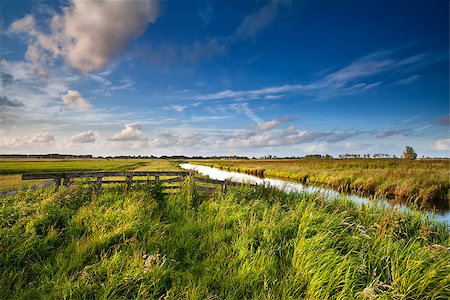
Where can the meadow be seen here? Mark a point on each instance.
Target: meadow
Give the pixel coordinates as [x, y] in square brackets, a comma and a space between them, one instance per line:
[11, 169]
[118, 243]
[420, 183]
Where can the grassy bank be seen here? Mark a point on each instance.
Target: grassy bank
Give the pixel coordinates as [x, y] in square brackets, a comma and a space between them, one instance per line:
[11, 170]
[248, 244]
[424, 183]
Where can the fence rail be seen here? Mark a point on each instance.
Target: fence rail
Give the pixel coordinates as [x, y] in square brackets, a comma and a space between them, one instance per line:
[67, 178]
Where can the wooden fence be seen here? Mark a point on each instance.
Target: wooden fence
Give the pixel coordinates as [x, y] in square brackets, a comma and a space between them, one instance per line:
[98, 179]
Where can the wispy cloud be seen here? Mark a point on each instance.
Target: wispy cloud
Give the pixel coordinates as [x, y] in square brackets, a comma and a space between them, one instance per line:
[392, 132]
[176, 107]
[123, 85]
[11, 102]
[207, 48]
[205, 12]
[350, 80]
[407, 80]
[443, 121]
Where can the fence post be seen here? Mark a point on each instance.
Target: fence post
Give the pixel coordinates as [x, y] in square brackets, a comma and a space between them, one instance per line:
[66, 181]
[57, 181]
[129, 178]
[99, 182]
[156, 178]
[224, 187]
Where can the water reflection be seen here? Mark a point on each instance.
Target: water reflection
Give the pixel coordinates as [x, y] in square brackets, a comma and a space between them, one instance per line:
[218, 174]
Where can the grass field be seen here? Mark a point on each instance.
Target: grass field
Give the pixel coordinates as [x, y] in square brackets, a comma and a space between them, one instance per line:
[248, 244]
[424, 183]
[11, 169]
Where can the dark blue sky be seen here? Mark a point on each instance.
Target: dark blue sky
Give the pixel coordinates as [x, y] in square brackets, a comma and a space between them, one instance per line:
[204, 77]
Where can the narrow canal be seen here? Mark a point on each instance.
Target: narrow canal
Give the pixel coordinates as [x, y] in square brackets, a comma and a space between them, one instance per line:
[218, 174]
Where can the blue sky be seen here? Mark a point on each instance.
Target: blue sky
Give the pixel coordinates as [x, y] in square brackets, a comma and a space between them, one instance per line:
[279, 77]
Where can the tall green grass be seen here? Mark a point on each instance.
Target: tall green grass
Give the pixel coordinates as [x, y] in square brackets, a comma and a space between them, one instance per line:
[262, 243]
[420, 183]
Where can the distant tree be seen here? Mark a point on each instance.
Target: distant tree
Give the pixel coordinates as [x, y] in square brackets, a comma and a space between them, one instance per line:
[409, 153]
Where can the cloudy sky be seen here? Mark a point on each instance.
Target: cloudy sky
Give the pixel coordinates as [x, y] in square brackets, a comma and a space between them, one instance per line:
[203, 77]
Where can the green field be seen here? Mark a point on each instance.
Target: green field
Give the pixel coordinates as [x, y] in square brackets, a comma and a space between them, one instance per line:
[422, 183]
[11, 169]
[79, 243]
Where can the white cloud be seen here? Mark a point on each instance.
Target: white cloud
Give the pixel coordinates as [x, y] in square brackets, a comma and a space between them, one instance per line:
[73, 99]
[255, 22]
[443, 145]
[169, 140]
[88, 33]
[349, 80]
[268, 125]
[39, 139]
[244, 108]
[176, 107]
[408, 80]
[42, 138]
[130, 132]
[25, 25]
[83, 137]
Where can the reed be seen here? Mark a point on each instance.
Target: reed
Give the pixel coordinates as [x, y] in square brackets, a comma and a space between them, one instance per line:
[249, 243]
[420, 183]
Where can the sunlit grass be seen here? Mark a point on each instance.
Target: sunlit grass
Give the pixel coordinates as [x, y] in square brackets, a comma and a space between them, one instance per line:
[250, 243]
[423, 183]
[11, 169]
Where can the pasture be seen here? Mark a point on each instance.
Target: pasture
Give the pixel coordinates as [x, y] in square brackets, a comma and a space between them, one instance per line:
[11, 169]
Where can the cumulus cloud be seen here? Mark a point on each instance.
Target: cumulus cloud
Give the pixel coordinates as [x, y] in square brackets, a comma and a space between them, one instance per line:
[83, 137]
[168, 140]
[89, 33]
[42, 138]
[73, 100]
[442, 145]
[130, 132]
[11, 102]
[25, 25]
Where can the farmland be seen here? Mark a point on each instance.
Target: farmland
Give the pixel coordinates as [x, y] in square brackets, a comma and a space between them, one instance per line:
[421, 183]
[250, 243]
[11, 169]
[118, 242]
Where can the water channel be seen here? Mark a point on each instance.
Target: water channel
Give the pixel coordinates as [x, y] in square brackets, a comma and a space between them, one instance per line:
[218, 174]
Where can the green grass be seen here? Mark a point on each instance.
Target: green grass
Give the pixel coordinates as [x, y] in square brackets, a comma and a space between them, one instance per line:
[248, 244]
[421, 183]
[19, 166]
[11, 169]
